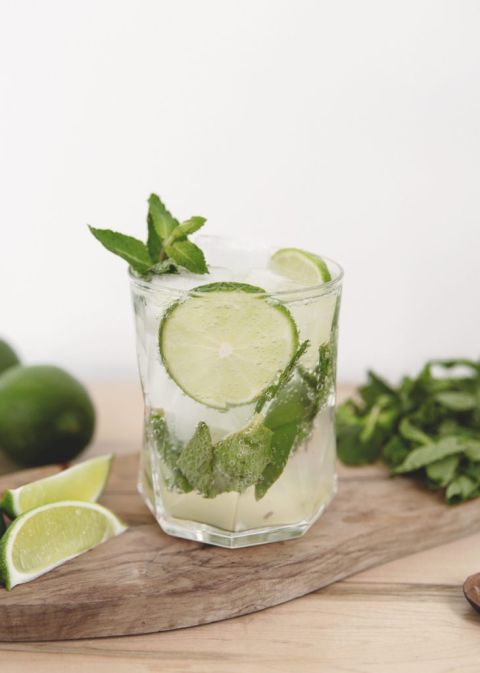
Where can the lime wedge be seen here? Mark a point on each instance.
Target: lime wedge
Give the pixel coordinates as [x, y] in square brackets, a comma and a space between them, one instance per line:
[85, 481]
[47, 536]
[299, 265]
[226, 342]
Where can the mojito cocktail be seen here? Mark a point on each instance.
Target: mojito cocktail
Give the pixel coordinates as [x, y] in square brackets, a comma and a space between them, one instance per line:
[238, 373]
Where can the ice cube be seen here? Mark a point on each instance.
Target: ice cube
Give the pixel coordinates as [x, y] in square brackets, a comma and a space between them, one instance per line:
[185, 280]
[238, 257]
[183, 414]
[218, 274]
[178, 282]
[270, 281]
[314, 319]
[313, 314]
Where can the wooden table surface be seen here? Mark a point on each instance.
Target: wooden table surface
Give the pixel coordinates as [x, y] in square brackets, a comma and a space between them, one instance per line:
[408, 616]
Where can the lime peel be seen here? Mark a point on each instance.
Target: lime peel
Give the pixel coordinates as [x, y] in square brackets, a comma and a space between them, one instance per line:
[300, 266]
[224, 344]
[47, 536]
[84, 482]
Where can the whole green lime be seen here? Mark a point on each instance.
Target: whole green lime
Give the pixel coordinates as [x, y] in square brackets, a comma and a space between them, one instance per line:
[46, 416]
[8, 357]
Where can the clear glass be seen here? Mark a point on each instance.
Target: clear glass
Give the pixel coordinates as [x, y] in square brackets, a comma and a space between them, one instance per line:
[307, 482]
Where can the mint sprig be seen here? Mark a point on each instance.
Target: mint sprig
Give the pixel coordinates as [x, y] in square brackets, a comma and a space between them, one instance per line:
[167, 243]
[427, 427]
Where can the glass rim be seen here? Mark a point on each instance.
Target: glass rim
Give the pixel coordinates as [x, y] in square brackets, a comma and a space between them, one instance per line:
[317, 290]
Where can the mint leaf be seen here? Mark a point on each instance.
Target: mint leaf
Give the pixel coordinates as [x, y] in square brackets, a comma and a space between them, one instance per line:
[130, 249]
[294, 402]
[375, 387]
[472, 470]
[188, 227]
[283, 439]
[187, 254]
[196, 459]
[430, 453]
[460, 489]
[395, 451]
[286, 374]
[161, 218]
[472, 449]
[158, 434]
[154, 242]
[372, 420]
[457, 400]
[443, 471]
[161, 438]
[353, 446]
[412, 433]
[240, 458]
[287, 418]
[233, 464]
[454, 364]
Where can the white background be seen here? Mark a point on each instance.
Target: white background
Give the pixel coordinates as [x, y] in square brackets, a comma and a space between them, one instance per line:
[348, 128]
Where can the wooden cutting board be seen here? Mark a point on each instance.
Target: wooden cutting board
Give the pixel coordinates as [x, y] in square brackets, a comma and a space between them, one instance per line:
[146, 581]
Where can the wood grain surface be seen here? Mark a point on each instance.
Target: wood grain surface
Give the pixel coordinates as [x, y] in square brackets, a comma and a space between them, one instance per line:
[145, 581]
[408, 616]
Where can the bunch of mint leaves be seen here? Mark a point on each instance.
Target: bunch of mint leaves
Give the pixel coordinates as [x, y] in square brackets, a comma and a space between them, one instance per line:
[167, 245]
[427, 427]
[257, 454]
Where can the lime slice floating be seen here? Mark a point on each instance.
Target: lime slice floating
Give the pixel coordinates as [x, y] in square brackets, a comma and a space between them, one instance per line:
[47, 536]
[301, 266]
[226, 342]
[85, 481]
[313, 316]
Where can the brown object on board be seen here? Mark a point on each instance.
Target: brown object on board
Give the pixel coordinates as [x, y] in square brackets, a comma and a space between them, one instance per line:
[471, 589]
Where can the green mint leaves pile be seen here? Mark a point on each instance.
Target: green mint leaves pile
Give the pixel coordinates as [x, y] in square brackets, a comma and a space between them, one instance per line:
[428, 426]
[167, 244]
[257, 454]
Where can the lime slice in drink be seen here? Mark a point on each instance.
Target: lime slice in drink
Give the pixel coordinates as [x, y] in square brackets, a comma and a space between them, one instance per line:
[226, 342]
[85, 481]
[299, 265]
[314, 314]
[47, 536]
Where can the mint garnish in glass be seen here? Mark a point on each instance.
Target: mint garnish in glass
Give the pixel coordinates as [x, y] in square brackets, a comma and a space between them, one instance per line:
[167, 246]
[238, 374]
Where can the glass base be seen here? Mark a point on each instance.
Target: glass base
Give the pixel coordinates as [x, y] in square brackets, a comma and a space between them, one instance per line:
[191, 530]
[200, 532]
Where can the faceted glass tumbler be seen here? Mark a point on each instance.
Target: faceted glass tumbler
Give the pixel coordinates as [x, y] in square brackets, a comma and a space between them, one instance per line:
[304, 473]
